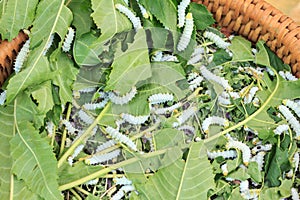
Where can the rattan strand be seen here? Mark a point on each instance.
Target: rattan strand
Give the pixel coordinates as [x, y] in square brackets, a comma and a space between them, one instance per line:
[257, 19]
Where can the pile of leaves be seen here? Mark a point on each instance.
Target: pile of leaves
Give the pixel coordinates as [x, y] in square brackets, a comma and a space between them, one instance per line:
[125, 114]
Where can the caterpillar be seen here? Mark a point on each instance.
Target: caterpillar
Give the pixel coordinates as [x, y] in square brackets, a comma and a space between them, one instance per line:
[70, 128]
[219, 42]
[195, 83]
[181, 12]
[227, 154]
[212, 77]
[48, 44]
[287, 76]
[157, 56]
[136, 22]
[123, 99]
[248, 98]
[160, 98]
[123, 190]
[68, 40]
[281, 128]
[122, 181]
[96, 159]
[169, 58]
[185, 38]
[2, 97]
[21, 57]
[259, 148]
[105, 145]
[50, 128]
[8, 54]
[84, 117]
[292, 105]
[87, 90]
[75, 154]
[186, 114]
[246, 152]
[162, 111]
[259, 159]
[187, 128]
[295, 194]
[196, 56]
[143, 10]
[94, 106]
[116, 135]
[246, 193]
[136, 120]
[224, 169]
[214, 120]
[296, 160]
[291, 120]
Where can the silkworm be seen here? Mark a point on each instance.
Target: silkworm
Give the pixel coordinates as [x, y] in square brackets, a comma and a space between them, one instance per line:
[187, 33]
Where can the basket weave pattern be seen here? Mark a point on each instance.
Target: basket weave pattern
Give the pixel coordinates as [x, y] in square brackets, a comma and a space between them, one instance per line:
[258, 20]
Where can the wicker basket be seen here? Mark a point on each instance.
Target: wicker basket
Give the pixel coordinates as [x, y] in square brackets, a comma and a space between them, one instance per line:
[258, 20]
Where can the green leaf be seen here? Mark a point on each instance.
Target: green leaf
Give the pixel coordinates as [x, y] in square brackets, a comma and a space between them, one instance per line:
[168, 137]
[82, 16]
[6, 133]
[85, 50]
[165, 11]
[43, 96]
[65, 76]
[34, 162]
[131, 66]
[202, 17]
[88, 77]
[241, 49]
[18, 15]
[182, 180]
[21, 191]
[108, 19]
[52, 16]
[262, 57]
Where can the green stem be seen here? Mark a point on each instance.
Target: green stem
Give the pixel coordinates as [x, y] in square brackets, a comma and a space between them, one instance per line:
[104, 171]
[64, 136]
[83, 137]
[77, 196]
[248, 118]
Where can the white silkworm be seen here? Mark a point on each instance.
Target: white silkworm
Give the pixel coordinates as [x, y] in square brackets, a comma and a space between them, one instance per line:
[246, 152]
[212, 77]
[224, 169]
[116, 135]
[68, 40]
[96, 159]
[123, 190]
[70, 128]
[295, 194]
[216, 39]
[290, 77]
[48, 44]
[187, 33]
[160, 98]
[122, 181]
[162, 111]
[281, 128]
[292, 105]
[2, 97]
[186, 114]
[246, 193]
[291, 120]
[214, 120]
[259, 159]
[94, 106]
[259, 148]
[296, 161]
[87, 90]
[169, 58]
[227, 154]
[123, 99]
[196, 56]
[136, 22]
[157, 56]
[248, 98]
[50, 128]
[143, 10]
[75, 154]
[181, 12]
[195, 83]
[84, 117]
[21, 57]
[136, 120]
[105, 145]
[187, 128]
